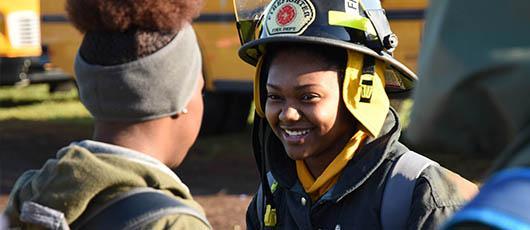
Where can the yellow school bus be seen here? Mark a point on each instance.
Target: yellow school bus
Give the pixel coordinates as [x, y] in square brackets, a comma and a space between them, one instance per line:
[19, 28]
[231, 80]
[406, 21]
[19, 38]
[23, 58]
[228, 79]
[218, 36]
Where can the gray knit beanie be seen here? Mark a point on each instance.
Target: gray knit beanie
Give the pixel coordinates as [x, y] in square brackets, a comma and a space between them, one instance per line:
[139, 59]
[153, 86]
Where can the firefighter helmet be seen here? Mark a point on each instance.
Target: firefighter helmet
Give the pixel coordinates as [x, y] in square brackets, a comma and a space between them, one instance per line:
[358, 25]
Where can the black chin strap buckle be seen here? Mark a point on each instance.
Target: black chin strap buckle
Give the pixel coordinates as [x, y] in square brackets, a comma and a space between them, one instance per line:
[367, 79]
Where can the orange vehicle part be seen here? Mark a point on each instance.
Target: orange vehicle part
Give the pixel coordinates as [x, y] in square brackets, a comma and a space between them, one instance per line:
[19, 28]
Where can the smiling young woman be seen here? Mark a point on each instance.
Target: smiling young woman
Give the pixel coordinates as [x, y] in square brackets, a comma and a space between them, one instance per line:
[322, 151]
[325, 137]
[303, 94]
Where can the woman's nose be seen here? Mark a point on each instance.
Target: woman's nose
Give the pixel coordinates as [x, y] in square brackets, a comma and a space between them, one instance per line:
[289, 114]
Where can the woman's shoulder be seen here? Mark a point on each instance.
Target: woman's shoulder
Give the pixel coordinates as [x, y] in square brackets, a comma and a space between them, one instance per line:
[444, 187]
[438, 193]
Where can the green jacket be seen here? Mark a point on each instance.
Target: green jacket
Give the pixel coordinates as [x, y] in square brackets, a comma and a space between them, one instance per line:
[88, 174]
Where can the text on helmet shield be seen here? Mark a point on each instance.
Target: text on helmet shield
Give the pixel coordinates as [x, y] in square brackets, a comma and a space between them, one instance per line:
[289, 17]
[351, 6]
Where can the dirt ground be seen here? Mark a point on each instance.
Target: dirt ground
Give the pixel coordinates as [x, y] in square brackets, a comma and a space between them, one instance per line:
[219, 170]
[223, 183]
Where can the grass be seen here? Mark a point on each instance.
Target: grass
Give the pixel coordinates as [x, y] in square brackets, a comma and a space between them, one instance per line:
[36, 103]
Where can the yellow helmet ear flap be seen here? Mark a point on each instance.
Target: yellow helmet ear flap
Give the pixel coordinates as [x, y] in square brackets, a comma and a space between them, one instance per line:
[364, 93]
[257, 87]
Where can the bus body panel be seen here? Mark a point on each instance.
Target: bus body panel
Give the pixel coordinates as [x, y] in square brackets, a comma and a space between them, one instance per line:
[19, 28]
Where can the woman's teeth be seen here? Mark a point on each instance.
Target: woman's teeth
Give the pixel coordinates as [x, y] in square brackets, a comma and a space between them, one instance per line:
[296, 132]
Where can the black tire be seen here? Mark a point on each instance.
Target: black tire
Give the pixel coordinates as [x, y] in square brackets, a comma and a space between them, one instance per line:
[62, 86]
[225, 112]
[13, 70]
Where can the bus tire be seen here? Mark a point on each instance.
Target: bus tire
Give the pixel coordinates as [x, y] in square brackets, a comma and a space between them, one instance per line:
[62, 86]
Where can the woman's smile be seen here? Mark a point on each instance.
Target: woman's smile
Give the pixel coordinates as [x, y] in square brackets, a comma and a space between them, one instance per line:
[295, 135]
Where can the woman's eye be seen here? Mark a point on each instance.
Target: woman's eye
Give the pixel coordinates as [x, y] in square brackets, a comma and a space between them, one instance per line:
[309, 97]
[273, 97]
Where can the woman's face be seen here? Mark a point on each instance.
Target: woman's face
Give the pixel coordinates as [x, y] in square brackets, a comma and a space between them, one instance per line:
[304, 106]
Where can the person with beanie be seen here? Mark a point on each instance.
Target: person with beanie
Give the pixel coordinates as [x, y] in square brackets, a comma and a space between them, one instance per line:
[139, 75]
[325, 137]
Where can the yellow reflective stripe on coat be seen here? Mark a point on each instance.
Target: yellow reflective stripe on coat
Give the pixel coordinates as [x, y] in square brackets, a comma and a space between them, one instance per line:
[328, 178]
[270, 216]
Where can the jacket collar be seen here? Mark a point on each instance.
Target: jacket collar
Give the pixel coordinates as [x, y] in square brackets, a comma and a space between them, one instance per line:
[100, 148]
[358, 170]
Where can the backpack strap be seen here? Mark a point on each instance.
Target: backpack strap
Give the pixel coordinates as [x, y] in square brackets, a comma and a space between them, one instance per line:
[135, 209]
[400, 183]
[261, 199]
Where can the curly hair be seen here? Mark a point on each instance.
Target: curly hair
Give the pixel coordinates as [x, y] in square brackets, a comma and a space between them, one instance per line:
[122, 15]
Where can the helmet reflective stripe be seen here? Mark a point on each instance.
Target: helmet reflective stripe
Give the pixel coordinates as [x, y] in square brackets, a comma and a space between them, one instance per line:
[338, 18]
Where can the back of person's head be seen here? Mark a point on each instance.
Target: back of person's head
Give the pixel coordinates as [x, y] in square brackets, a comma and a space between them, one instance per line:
[139, 72]
[472, 96]
[139, 60]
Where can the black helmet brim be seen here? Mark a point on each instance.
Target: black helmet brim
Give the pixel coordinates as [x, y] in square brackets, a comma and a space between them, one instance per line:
[251, 52]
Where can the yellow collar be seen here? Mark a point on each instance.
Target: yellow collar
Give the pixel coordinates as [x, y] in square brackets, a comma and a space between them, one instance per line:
[316, 188]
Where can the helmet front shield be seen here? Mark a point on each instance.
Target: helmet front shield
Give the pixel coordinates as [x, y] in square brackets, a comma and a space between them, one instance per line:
[248, 16]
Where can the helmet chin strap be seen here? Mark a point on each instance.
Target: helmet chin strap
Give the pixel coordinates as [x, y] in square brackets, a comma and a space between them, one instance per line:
[257, 88]
[260, 134]
[364, 93]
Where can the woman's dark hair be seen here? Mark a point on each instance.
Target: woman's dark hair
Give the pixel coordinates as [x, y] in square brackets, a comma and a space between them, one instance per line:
[335, 59]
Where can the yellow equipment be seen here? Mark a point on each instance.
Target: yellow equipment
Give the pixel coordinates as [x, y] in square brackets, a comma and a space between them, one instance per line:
[19, 38]
[19, 28]
[406, 21]
[24, 57]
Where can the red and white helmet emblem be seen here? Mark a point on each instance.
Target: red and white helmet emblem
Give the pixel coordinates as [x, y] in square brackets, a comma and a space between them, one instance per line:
[289, 17]
[286, 15]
